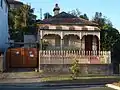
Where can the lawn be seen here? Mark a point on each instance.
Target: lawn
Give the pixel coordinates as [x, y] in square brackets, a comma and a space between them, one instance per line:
[86, 78]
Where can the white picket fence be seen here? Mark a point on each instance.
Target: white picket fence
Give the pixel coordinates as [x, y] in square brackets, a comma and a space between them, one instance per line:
[68, 57]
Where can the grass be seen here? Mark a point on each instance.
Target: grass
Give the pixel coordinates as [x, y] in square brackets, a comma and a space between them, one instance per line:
[82, 78]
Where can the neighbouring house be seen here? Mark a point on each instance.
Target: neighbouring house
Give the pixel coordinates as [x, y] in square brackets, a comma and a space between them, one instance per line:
[68, 38]
[4, 34]
[14, 4]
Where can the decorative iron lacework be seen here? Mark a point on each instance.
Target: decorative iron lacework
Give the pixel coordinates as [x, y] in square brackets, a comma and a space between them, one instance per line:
[63, 27]
[44, 27]
[96, 28]
[59, 27]
[84, 28]
[71, 28]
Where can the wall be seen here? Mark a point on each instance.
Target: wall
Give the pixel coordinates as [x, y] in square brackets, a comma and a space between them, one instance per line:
[3, 26]
[29, 39]
[103, 69]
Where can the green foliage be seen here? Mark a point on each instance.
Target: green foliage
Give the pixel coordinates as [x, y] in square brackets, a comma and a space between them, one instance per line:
[84, 16]
[75, 12]
[21, 21]
[75, 69]
[99, 19]
[109, 35]
[44, 44]
[116, 52]
[47, 15]
[16, 35]
[108, 38]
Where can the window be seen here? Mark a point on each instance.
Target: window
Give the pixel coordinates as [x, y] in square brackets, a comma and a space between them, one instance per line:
[6, 8]
[1, 3]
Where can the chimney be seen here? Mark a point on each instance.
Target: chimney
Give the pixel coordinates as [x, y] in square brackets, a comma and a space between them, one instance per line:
[56, 9]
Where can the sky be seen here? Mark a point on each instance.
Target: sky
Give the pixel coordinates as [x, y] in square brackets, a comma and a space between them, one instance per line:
[109, 8]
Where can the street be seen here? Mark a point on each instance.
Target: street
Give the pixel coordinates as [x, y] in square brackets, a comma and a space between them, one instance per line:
[38, 87]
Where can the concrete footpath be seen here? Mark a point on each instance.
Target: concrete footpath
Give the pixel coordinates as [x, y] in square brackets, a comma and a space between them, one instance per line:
[34, 78]
[19, 77]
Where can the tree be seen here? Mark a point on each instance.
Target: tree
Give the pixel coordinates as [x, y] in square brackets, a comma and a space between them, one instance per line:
[21, 21]
[28, 17]
[11, 16]
[99, 19]
[116, 52]
[47, 15]
[75, 12]
[109, 36]
[84, 16]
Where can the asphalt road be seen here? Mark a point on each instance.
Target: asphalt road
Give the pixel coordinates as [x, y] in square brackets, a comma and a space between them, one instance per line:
[34, 87]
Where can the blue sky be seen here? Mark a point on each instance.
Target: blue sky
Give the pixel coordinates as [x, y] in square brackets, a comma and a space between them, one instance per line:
[109, 8]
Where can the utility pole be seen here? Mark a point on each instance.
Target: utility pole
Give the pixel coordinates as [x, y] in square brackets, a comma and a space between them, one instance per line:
[41, 13]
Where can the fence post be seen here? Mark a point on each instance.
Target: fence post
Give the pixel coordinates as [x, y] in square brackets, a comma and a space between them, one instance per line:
[39, 59]
[1, 62]
[49, 56]
[109, 57]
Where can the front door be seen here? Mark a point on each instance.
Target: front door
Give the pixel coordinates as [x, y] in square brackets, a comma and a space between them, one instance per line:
[88, 42]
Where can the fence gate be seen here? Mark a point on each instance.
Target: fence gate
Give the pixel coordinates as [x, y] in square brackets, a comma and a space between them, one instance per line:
[26, 57]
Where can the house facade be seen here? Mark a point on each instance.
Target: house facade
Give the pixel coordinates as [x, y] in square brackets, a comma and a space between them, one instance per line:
[65, 31]
[4, 34]
[65, 38]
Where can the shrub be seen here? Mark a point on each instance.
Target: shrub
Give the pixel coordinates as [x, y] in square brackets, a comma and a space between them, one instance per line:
[75, 69]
